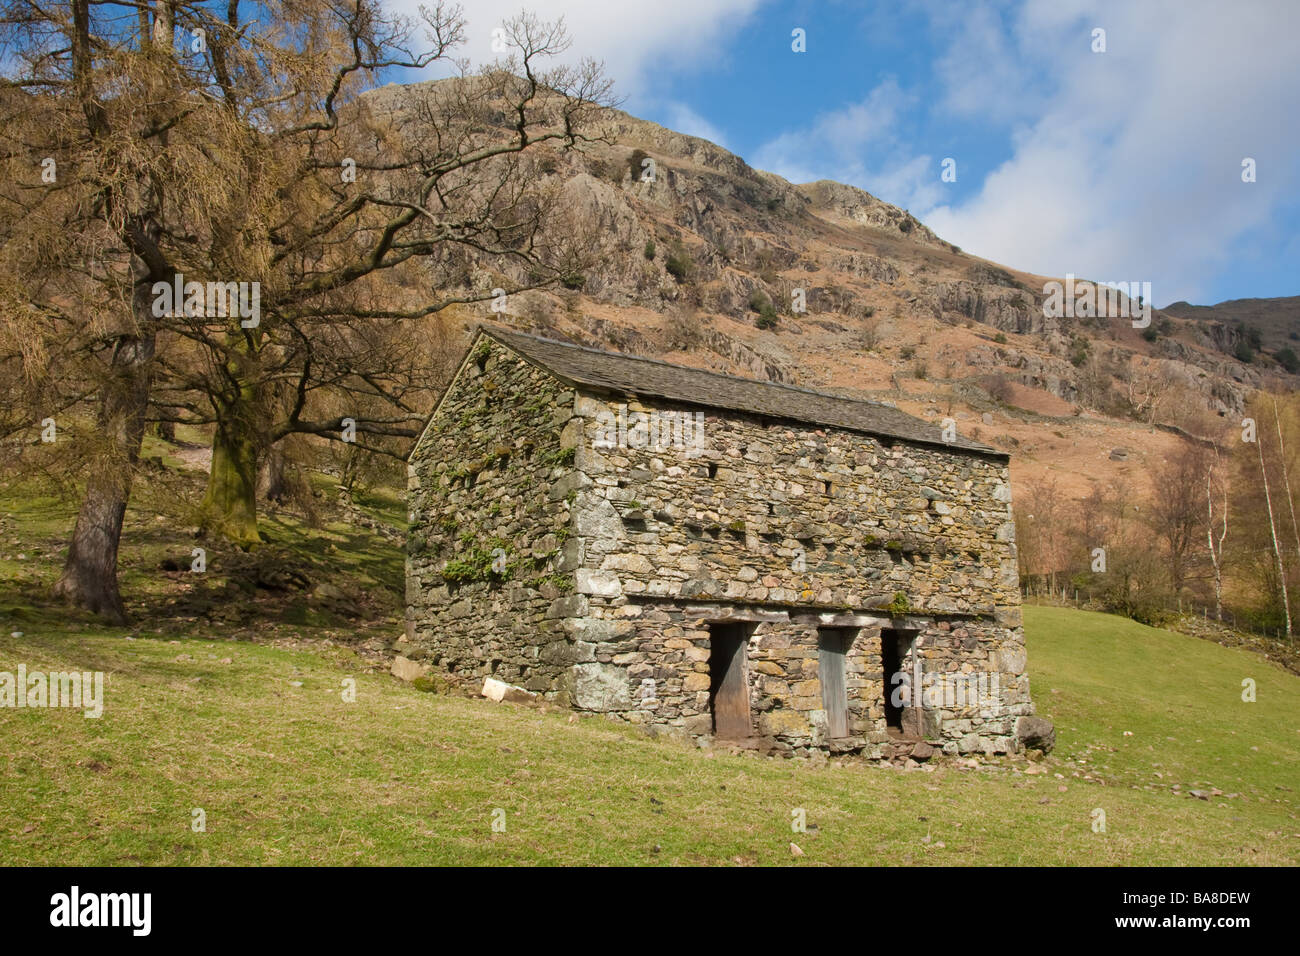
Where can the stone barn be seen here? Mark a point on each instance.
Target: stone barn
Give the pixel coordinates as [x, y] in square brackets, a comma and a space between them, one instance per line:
[715, 557]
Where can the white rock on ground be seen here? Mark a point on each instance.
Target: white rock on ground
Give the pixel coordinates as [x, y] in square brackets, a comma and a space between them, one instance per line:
[497, 690]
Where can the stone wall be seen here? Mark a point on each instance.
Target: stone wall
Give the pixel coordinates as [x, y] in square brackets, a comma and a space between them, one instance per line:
[663, 648]
[487, 484]
[791, 528]
[620, 549]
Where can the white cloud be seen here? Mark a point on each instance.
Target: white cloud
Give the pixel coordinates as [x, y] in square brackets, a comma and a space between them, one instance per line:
[836, 144]
[683, 119]
[988, 71]
[1125, 165]
[1131, 170]
[634, 41]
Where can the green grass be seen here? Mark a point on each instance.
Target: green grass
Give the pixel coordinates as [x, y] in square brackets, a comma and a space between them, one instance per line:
[347, 575]
[295, 775]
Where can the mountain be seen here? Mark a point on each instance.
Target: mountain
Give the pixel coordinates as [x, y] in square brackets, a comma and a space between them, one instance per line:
[1276, 320]
[705, 261]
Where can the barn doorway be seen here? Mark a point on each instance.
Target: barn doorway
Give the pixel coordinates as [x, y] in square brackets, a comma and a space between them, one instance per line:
[894, 648]
[728, 681]
[833, 645]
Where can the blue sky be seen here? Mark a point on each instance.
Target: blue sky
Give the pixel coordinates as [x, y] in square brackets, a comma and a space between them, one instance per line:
[1115, 165]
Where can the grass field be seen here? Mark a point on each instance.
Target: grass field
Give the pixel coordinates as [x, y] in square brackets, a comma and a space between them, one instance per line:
[285, 771]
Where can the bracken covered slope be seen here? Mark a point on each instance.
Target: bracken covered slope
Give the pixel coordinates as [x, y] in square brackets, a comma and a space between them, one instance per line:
[706, 263]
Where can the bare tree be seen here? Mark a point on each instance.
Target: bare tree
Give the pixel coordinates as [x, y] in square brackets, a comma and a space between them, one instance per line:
[453, 165]
[1216, 487]
[1042, 533]
[247, 153]
[1146, 389]
[1174, 512]
[1286, 478]
[1272, 529]
[93, 102]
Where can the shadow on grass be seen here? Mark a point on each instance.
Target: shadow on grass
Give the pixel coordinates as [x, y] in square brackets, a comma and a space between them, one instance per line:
[331, 576]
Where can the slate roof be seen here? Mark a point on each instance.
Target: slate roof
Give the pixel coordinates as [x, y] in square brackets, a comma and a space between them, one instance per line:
[632, 374]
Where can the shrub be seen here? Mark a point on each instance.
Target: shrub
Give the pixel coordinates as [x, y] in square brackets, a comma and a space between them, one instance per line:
[608, 170]
[760, 303]
[682, 326]
[431, 684]
[1000, 339]
[870, 336]
[678, 263]
[1152, 615]
[998, 387]
[1079, 347]
[634, 167]
[649, 249]
[899, 605]
[475, 566]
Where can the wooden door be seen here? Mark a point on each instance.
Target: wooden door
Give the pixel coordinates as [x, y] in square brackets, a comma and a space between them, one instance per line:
[729, 693]
[832, 647]
[893, 649]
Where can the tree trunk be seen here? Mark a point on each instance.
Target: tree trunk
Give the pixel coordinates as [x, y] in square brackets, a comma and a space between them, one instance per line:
[89, 576]
[1272, 528]
[229, 507]
[1216, 553]
[1286, 478]
[273, 484]
[164, 33]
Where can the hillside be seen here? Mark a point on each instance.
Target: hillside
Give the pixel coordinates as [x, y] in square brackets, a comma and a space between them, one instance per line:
[229, 700]
[894, 313]
[259, 739]
[1278, 320]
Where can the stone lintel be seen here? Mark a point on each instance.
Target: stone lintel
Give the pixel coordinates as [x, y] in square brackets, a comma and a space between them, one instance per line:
[732, 612]
[842, 619]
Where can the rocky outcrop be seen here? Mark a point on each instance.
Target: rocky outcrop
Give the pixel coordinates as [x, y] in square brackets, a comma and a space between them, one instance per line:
[1010, 310]
[857, 205]
[708, 231]
[864, 266]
